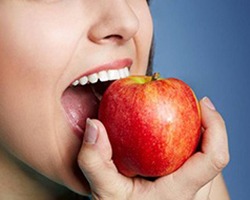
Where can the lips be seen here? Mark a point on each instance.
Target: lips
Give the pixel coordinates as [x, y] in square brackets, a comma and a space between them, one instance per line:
[81, 98]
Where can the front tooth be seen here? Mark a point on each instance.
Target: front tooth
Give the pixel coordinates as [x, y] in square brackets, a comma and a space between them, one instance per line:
[113, 74]
[84, 80]
[103, 76]
[93, 78]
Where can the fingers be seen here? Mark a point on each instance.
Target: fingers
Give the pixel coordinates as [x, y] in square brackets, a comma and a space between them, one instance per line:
[92, 154]
[214, 156]
[106, 183]
[215, 141]
[95, 160]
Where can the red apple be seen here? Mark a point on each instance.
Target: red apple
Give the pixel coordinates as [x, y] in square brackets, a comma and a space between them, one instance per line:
[153, 124]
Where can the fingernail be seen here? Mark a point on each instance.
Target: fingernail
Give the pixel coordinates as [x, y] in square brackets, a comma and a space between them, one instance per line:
[208, 103]
[90, 135]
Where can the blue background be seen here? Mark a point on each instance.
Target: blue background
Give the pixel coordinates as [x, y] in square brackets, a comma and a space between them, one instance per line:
[206, 43]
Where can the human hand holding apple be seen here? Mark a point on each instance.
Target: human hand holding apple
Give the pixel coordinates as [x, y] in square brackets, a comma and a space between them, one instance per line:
[188, 182]
[153, 124]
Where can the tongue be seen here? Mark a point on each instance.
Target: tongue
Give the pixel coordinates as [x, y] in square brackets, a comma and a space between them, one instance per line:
[79, 104]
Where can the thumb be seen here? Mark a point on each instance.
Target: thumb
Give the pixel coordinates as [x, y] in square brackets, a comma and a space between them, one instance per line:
[95, 160]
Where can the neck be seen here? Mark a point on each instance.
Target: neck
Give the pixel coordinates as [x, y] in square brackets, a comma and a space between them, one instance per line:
[19, 182]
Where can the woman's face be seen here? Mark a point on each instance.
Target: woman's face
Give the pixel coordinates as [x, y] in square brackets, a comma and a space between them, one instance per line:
[45, 45]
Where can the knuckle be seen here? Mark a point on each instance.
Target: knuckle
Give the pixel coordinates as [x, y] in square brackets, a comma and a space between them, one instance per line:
[89, 168]
[220, 161]
[81, 161]
[86, 160]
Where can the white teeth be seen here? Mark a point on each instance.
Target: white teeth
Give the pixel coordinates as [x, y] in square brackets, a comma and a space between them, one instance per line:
[109, 75]
[113, 74]
[103, 76]
[126, 72]
[93, 78]
[122, 73]
[75, 83]
[84, 80]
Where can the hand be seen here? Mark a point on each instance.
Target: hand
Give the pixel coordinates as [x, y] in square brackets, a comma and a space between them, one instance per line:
[95, 161]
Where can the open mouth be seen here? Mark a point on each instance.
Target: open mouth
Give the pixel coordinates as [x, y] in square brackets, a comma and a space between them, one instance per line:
[81, 99]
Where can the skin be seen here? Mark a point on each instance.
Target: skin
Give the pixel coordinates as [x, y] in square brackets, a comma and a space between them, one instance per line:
[43, 45]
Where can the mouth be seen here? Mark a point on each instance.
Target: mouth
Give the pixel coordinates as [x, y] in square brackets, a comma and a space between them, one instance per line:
[81, 98]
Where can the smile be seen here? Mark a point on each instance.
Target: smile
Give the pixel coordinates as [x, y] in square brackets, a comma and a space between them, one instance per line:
[103, 76]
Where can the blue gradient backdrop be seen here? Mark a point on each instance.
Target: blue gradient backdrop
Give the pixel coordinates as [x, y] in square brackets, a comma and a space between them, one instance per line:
[207, 44]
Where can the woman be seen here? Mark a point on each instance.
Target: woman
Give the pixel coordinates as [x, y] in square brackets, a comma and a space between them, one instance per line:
[49, 50]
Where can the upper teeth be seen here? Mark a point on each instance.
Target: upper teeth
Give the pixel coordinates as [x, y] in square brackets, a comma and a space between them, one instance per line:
[105, 75]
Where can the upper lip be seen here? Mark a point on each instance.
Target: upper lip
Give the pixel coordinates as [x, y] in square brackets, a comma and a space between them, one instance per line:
[117, 64]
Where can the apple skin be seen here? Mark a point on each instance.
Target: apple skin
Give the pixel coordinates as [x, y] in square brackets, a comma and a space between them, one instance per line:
[153, 124]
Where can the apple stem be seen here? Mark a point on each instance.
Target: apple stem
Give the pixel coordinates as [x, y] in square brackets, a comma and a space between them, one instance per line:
[155, 76]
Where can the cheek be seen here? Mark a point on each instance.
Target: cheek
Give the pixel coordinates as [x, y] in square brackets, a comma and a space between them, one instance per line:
[35, 48]
[34, 52]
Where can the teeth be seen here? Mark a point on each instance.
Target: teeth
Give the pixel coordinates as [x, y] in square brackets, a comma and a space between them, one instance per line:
[103, 76]
[122, 73]
[113, 75]
[93, 78]
[126, 72]
[109, 75]
[75, 83]
[84, 80]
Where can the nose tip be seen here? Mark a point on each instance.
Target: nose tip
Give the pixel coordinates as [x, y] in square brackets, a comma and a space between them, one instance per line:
[117, 23]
